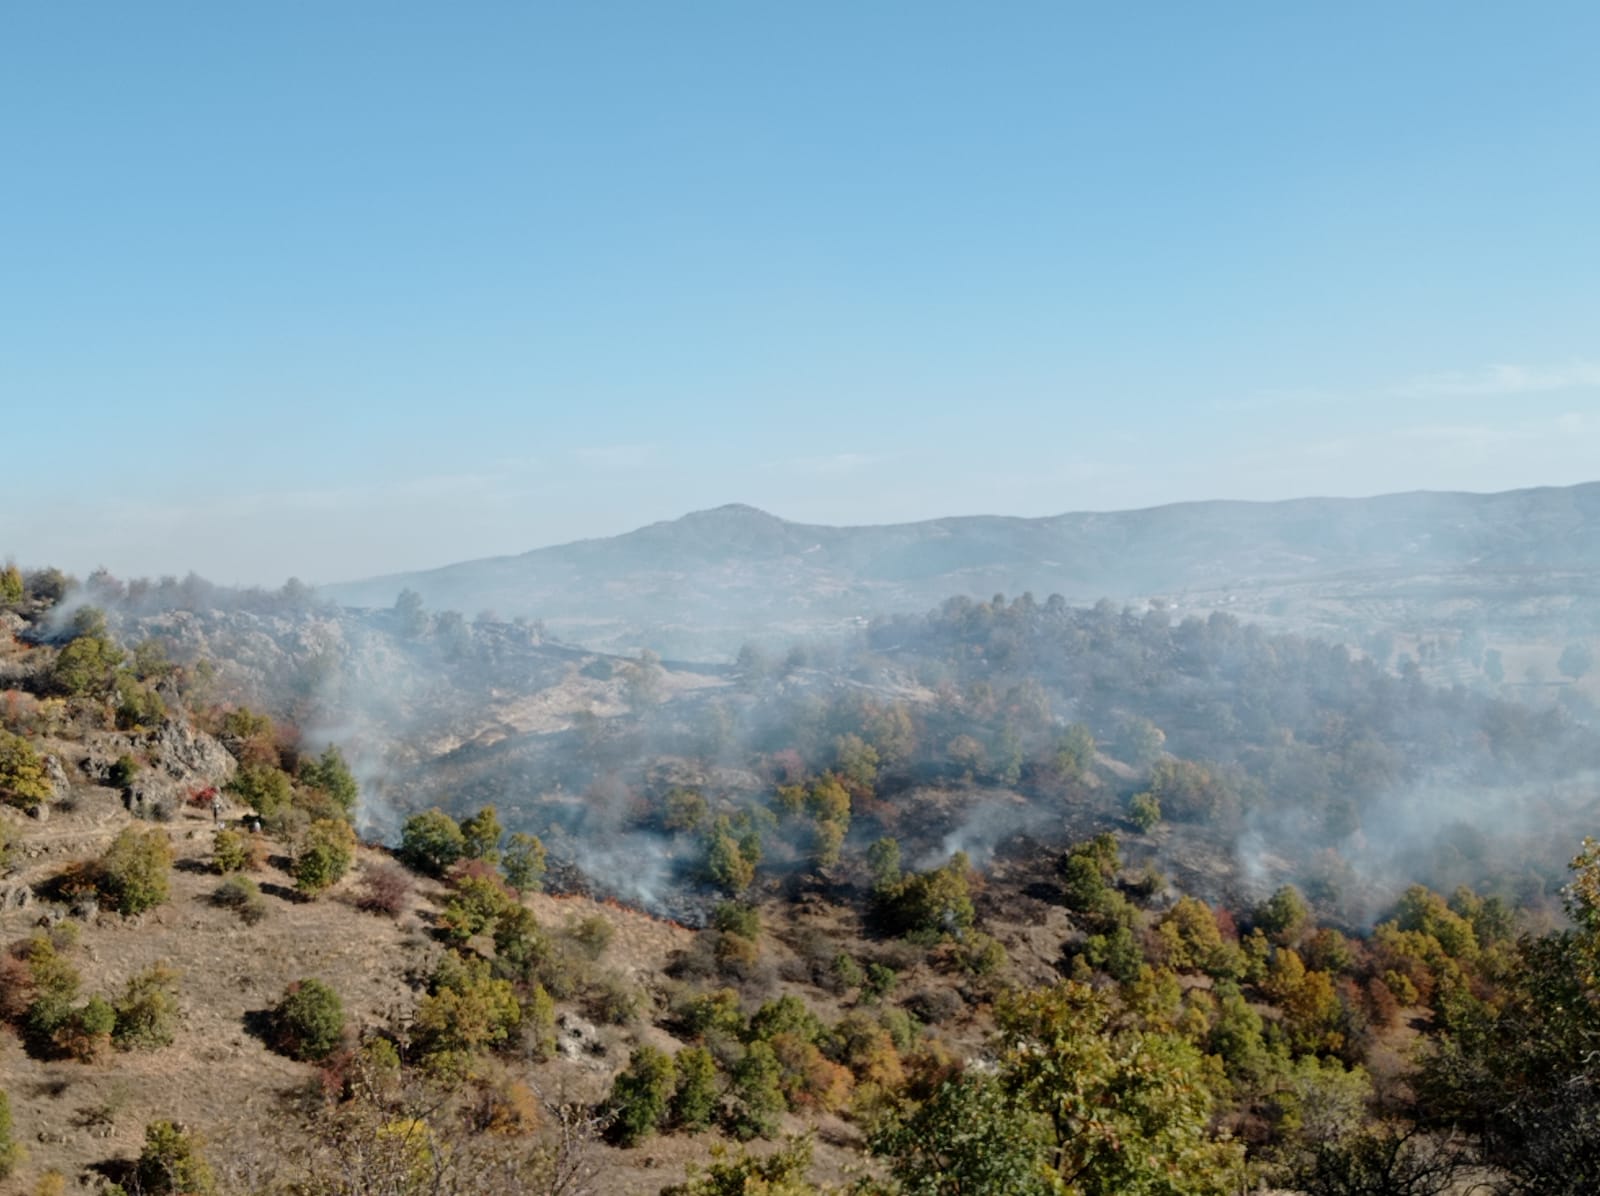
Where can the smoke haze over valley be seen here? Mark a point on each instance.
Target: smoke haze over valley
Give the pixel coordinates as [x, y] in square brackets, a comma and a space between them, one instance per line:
[903, 599]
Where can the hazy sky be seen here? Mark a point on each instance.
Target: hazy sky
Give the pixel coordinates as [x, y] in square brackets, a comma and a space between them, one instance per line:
[328, 289]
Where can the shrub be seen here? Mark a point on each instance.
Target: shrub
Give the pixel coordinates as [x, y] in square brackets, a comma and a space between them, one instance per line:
[1144, 810]
[23, 782]
[523, 862]
[385, 889]
[11, 1153]
[308, 1023]
[430, 842]
[122, 772]
[139, 705]
[481, 834]
[479, 902]
[641, 1096]
[468, 1009]
[324, 856]
[934, 903]
[695, 1101]
[613, 1000]
[87, 1031]
[593, 934]
[757, 1093]
[265, 788]
[147, 1014]
[243, 896]
[331, 776]
[131, 876]
[85, 666]
[733, 917]
[172, 1162]
[229, 852]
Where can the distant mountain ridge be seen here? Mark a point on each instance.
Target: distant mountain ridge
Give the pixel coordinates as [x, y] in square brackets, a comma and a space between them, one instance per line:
[737, 571]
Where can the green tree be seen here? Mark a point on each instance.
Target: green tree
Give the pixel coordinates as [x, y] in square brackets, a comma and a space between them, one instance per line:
[934, 903]
[431, 841]
[968, 1136]
[324, 857]
[468, 1010]
[139, 707]
[757, 1093]
[1144, 810]
[524, 862]
[694, 1103]
[23, 780]
[11, 589]
[883, 859]
[641, 1096]
[330, 774]
[265, 788]
[173, 1163]
[481, 834]
[308, 1022]
[132, 875]
[86, 666]
[856, 761]
[1075, 753]
[1284, 916]
[727, 863]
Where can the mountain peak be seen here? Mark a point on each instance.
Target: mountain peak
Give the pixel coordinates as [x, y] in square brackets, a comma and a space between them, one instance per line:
[733, 512]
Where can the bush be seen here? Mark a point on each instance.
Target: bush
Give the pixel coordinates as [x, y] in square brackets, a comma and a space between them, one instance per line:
[229, 852]
[308, 1023]
[733, 917]
[430, 842]
[87, 1031]
[172, 1162]
[121, 773]
[147, 1014]
[131, 876]
[593, 934]
[265, 788]
[139, 706]
[11, 1153]
[243, 896]
[695, 1100]
[481, 835]
[385, 889]
[1144, 810]
[613, 1001]
[523, 863]
[757, 1093]
[23, 782]
[641, 1096]
[329, 775]
[324, 856]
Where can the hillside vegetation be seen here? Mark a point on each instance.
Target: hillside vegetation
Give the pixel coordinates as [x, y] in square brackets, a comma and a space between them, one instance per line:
[1008, 897]
[1518, 563]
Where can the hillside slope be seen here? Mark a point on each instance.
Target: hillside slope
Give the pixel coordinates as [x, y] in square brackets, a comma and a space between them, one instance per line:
[700, 584]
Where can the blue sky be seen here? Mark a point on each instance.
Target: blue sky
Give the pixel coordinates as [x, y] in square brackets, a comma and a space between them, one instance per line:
[334, 289]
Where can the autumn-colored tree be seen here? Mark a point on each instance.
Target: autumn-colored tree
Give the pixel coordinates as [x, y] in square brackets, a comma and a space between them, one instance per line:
[1128, 1111]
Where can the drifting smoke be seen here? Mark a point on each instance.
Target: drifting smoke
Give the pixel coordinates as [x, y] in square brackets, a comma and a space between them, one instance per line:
[581, 748]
